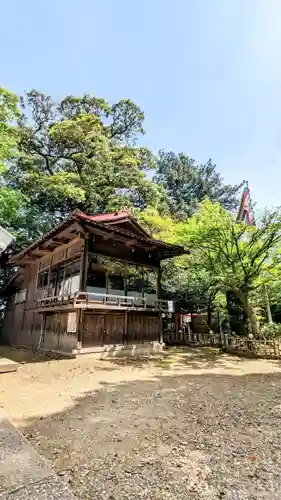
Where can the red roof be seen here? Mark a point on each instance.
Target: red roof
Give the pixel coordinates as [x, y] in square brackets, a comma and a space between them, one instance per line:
[114, 219]
[105, 217]
[99, 221]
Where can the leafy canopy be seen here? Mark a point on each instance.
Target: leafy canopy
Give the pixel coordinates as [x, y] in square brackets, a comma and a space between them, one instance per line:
[10, 199]
[8, 133]
[81, 153]
[240, 257]
[187, 183]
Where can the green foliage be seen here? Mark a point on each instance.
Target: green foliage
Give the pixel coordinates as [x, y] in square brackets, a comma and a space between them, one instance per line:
[239, 256]
[270, 330]
[10, 199]
[10, 206]
[81, 153]
[187, 183]
[183, 277]
[8, 133]
[240, 259]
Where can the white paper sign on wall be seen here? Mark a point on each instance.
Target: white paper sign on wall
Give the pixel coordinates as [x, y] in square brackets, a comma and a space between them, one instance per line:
[71, 322]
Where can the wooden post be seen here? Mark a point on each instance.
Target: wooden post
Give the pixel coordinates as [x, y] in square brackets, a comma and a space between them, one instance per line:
[158, 284]
[159, 294]
[80, 326]
[82, 287]
[32, 327]
[42, 331]
[125, 327]
[84, 265]
[59, 328]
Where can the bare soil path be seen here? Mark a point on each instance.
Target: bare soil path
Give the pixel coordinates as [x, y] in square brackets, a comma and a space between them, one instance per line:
[194, 424]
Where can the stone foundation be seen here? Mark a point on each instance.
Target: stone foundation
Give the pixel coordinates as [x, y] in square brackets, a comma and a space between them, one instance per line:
[123, 350]
[106, 351]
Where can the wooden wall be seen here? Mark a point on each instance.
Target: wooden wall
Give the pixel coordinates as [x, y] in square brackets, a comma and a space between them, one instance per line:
[7, 332]
[56, 336]
[142, 327]
[102, 328]
[22, 323]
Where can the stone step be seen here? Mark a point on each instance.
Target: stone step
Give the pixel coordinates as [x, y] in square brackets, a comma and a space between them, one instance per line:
[7, 365]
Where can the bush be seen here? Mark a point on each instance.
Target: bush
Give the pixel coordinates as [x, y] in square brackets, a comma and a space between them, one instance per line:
[271, 330]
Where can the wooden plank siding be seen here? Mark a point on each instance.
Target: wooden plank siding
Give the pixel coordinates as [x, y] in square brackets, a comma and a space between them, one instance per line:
[103, 328]
[142, 327]
[55, 335]
[23, 324]
[100, 328]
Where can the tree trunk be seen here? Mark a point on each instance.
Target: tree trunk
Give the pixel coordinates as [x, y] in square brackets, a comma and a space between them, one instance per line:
[268, 308]
[210, 310]
[250, 313]
[209, 315]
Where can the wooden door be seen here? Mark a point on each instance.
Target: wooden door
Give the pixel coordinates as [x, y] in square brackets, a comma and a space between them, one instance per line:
[142, 327]
[93, 330]
[114, 328]
[103, 329]
[135, 328]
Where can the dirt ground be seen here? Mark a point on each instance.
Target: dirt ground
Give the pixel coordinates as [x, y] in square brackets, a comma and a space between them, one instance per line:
[194, 424]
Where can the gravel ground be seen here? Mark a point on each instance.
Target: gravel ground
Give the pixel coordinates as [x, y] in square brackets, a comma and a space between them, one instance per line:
[190, 426]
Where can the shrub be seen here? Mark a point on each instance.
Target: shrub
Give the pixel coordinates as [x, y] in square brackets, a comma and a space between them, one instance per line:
[270, 330]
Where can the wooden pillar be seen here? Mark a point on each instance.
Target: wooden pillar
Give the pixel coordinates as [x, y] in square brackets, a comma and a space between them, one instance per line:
[84, 265]
[159, 296]
[125, 327]
[80, 326]
[42, 330]
[58, 329]
[82, 288]
[158, 284]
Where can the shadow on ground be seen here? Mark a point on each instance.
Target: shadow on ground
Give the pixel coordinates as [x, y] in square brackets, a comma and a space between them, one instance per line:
[188, 436]
[173, 357]
[193, 357]
[25, 355]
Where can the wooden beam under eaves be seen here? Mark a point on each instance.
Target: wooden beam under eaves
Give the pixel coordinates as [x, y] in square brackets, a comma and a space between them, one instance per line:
[150, 249]
[42, 250]
[130, 243]
[28, 260]
[63, 240]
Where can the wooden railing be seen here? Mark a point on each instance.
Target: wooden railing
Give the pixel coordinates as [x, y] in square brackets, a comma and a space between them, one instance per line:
[87, 300]
[56, 301]
[259, 348]
[193, 339]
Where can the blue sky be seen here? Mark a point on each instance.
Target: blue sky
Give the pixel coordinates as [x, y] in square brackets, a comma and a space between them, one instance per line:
[207, 73]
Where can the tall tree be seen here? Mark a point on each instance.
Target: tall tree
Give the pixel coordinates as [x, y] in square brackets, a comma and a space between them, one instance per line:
[10, 199]
[81, 153]
[187, 183]
[8, 114]
[241, 259]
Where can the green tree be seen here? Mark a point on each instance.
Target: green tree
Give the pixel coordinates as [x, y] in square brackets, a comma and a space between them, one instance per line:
[187, 183]
[81, 153]
[10, 199]
[241, 259]
[8, 133]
